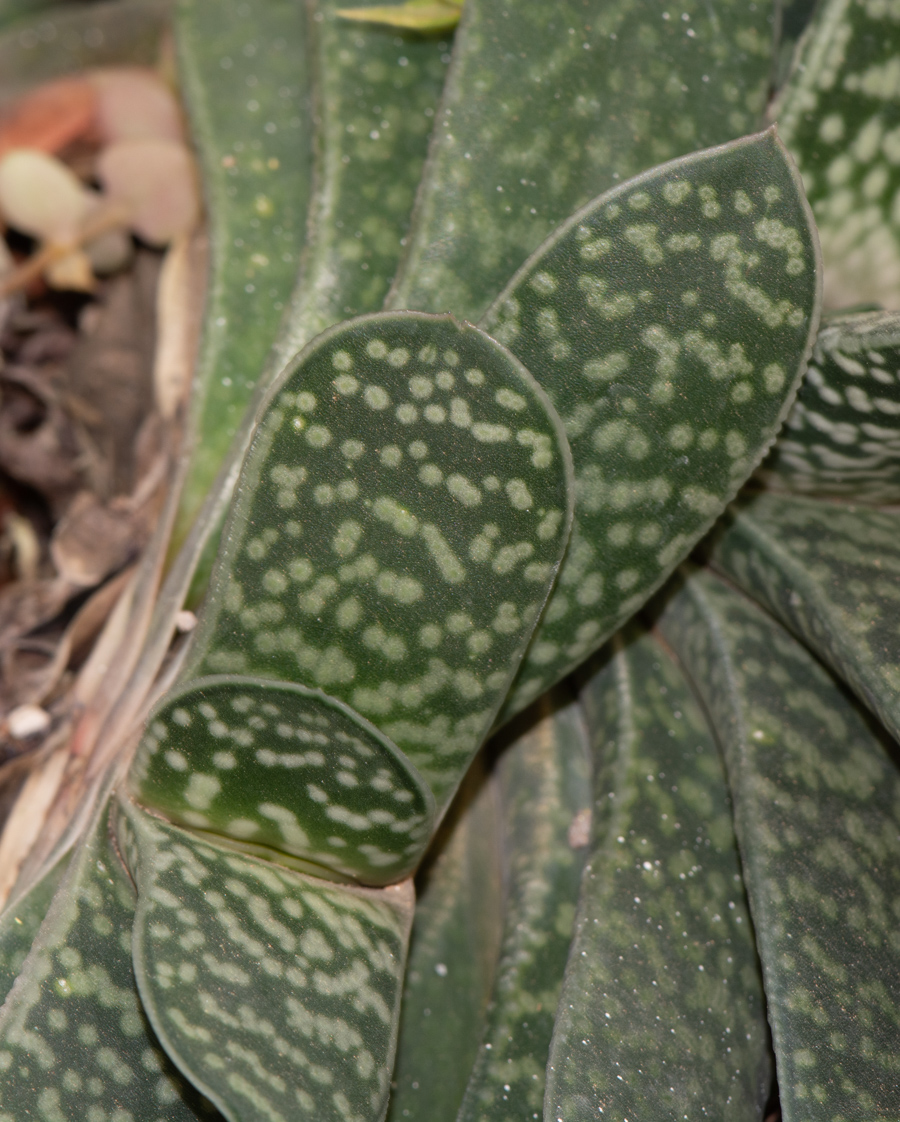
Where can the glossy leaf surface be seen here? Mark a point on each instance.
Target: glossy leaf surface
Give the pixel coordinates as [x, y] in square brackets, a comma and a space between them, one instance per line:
[453, 954]
[545, 790]
[817, 814]
[376, 95]
[274, 766]
[669, 322]
[842, 436]
[277, 994]
[74, 1040]
[400, 518]
[829, 572]
[245, 80]
[546, 107]
[662, 1013]
[840, 117]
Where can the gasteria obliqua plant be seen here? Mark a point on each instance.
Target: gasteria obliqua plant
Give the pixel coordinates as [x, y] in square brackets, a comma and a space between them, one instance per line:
[547, 295]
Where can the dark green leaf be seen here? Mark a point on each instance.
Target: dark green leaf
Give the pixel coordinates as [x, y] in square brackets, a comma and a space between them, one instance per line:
[829, 573]
[74, 1040]
[843, 434]
[817, 815]
[245, 79]
[399, 521]
[544, 782]
[275, 766]
[20, 920]
[452, 957]
[277, 994]
[840, 117]
[669, 322]
[547, 106]
[662, 1014]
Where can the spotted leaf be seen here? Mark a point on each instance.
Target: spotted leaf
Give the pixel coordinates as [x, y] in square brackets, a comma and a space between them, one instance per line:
[452, 956]
[277, 767]
[662, 1013]
[400, 518]
[829, 573]
[669, 322]
[544, 782]
[840, 117]
[246, 85]
[74, 1040]
[842, 436]
[277, 994]
[817, 816]
[547, 106]
[20, 921]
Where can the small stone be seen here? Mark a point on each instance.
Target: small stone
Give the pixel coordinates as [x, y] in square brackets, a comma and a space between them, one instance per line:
[27, 720]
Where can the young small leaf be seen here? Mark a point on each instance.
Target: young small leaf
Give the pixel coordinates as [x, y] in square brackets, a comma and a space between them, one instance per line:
[817, 815]
[839, 116]
[828, 572]
[669, 322]
[74, 1040]
[544, 782]
[399, 521]
[277, 994]
[662, 1013]
[273, 766]
[415, 15]
[842, 436]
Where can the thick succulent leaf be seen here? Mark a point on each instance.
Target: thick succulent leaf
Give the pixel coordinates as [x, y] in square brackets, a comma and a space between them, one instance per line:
[546, 107]
[793, 17]
[662, 1013]
[74, 1040]
[277, 994]
[817, 815]
[829, 573]
[20, 921]
[452, 956]
[66, 38]
[842, 436]
[399, 521]
[669, 322]
[245, 80]
[275, 766]
[840, 117]
[375, 101]
[545, 788]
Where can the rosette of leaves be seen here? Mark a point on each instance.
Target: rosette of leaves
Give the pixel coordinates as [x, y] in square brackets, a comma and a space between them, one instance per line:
[433, 523]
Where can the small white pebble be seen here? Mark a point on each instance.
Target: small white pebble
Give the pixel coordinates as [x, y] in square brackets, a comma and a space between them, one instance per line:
[185, 621]
[27, 720]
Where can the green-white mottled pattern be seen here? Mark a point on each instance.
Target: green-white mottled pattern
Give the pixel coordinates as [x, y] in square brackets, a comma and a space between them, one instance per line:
[662, 1014]
[830, 574]
[817, 815]
[245, 80]
[19, 923]
[545, 788]
[277, 994]
[546, 107]
[376, 94]
[275, 766]
[399, 521]
[840, 117]
[74, 1040]
[842, 436]
[452, 957]
[669, 323]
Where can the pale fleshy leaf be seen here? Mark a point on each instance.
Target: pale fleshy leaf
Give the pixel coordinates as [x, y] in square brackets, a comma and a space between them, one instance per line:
[399, 521]
[842, 436]
[669, 323]
[277, 994]
[817, 815]
[662, 1013]
[276, 767]
[415, 15]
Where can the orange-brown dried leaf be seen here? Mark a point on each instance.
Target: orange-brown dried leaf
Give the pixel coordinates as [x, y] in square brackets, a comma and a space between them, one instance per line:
[49, 117]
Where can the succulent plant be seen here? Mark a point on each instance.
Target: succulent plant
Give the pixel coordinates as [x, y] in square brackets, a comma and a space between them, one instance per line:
[463, 478]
